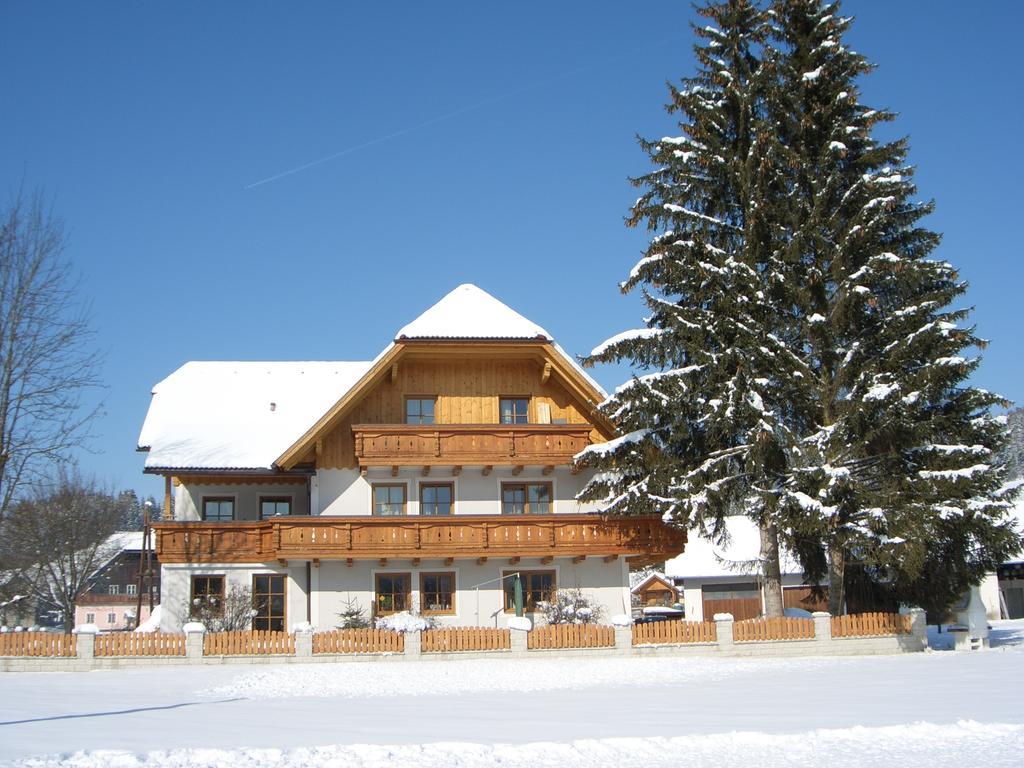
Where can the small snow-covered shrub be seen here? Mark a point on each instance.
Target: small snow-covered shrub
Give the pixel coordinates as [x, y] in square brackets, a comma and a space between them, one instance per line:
[233, 612]
[405, 622]
[570, 606]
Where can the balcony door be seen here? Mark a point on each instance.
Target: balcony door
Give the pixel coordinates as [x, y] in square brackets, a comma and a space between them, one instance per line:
[268, 600]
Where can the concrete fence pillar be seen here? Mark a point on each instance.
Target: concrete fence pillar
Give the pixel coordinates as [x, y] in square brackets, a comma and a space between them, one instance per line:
[303, 640]
[723, 630]
[623, 633]
[624, 639]
[413, 644]
[85, 646]
[519, 627]
[822, 626]
[194, 632]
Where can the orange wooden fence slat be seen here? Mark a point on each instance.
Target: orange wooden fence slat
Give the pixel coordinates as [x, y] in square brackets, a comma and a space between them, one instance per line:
[366, 640]
[776, 628]
[37, 644]
[666, 632]
[870, 624]
[571, 636]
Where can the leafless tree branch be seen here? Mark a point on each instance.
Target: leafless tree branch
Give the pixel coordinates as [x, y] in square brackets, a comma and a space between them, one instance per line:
[46, 361]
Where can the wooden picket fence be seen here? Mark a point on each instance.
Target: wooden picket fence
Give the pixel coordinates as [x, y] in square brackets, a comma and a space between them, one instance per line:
[867, 624]
[571, 636]
[781, 628]
[139, 644]
[359, 641]
[465, 639]
[666, 632]
[259, 642]
[38, 644]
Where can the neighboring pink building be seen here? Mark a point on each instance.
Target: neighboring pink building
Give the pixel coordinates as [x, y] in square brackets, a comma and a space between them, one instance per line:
[110, 612]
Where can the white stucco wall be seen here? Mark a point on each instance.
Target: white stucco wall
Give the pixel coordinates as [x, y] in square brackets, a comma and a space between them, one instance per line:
[334, 582]
[176, 585]
[188, 500]
[347, 492]
[989, 589]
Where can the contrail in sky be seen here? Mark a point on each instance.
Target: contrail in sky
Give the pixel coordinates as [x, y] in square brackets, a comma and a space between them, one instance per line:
[449, 115]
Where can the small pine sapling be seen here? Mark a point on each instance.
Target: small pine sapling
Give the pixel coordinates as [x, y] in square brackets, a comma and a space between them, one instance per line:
[352, 616]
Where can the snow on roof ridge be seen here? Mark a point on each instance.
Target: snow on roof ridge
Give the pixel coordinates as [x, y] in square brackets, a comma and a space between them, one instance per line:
[469, 312]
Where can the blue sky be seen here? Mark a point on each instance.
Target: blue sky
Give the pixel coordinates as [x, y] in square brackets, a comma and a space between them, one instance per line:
[475, 142]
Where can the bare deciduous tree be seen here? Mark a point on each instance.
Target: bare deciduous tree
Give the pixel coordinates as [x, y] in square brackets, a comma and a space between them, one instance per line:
[46, 364]
[58, 538]
[230, 613]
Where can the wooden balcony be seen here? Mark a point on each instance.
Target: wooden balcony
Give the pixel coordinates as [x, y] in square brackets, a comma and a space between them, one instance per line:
[414, 537]
[461, 444]
[118, 599]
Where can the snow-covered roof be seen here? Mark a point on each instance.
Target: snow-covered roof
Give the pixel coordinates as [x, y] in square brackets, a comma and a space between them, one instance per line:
[705, 559]
[1017, 515]
[245, 415]
[653, 576]
[235, 415]
[126, 541]
[122, 541]
[471, 313]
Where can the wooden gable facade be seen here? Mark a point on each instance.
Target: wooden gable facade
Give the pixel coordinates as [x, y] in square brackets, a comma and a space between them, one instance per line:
[467, 381]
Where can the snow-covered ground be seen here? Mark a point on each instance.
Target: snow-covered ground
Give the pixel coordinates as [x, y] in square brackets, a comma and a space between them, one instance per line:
[932, 709]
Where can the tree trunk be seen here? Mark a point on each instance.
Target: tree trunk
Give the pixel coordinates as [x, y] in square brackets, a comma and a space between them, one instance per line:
[771, 570]
[836, 580]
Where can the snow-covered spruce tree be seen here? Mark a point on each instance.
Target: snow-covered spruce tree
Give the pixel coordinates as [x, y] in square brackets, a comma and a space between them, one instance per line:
[1013, 453]
[705, 431]
[897, 470]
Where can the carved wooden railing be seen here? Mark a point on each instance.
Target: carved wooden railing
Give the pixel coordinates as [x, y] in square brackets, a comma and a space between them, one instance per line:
[411, 444]
[462, 536]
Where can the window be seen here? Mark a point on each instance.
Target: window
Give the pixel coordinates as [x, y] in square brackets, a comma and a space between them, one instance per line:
[436, 498]
[132, 589]
[388, 500]
[111, 618]
[113, 589]
[394, 593]
[90, 618]
[268, 602]
[538, 586]
[273, 506]
[218, 509]
[526, 498]
[514, 410]
[207, 590]
[419, 410]
[437, 592]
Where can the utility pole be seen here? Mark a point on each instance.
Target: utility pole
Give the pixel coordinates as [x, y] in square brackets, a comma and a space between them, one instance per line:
[145, 571]
[146, 543]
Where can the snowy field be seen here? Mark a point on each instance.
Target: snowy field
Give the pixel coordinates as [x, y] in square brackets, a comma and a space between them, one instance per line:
[931, 709]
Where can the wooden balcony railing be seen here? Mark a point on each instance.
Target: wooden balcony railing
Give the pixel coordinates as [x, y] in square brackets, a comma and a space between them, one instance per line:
[458, 536]
[119, 599]
[487, 444]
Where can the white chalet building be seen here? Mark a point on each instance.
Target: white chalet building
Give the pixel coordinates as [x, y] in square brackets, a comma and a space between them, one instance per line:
[421, 480]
